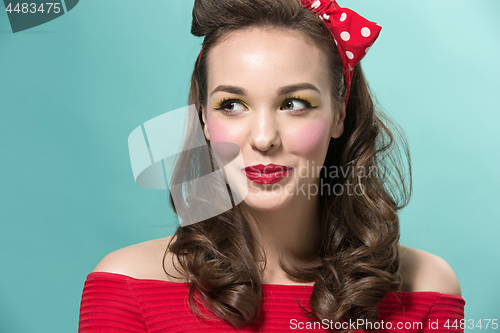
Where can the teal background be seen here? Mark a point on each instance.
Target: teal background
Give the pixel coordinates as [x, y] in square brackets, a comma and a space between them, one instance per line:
[72, 90]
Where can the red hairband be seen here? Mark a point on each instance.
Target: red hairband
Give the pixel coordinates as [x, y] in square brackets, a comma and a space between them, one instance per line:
[352, 33]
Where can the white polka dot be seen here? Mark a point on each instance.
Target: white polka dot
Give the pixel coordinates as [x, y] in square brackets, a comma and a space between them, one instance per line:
[315, 4]
[326, 16]
[335, 41]
[367, 49]
[343, 17]
[349, 54]
[350, 68]
[365, 32]
[345, 35]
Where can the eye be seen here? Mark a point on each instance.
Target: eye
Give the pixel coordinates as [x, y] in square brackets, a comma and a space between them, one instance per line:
[230, 106]
[296, 104]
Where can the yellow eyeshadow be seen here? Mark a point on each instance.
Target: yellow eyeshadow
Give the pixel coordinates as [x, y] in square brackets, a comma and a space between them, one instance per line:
[313, 105]
[218, 104]
[306, 99]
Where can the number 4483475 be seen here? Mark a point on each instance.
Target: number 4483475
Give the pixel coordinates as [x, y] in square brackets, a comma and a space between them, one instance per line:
[471, 324]
[33, 8]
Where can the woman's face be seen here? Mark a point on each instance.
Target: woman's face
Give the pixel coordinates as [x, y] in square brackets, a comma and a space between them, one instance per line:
[269, 92]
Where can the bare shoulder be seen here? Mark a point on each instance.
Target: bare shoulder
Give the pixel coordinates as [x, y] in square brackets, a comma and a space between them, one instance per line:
[141, 261]
[424, 271]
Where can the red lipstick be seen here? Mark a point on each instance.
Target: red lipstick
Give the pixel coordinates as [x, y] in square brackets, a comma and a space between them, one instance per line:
[266, 174]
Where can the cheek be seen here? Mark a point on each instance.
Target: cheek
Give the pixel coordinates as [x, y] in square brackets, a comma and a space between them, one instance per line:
[310, 139]
[216, 131]
[227, 140]
[221, 131]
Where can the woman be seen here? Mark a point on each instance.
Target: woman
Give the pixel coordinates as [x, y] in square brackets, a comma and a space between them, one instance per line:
[316, 250]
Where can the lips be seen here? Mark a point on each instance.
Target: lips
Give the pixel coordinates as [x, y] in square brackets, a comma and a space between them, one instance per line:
[266, 174]
[267, 169]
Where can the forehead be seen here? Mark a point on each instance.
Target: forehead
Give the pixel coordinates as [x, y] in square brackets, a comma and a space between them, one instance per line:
[263, 59]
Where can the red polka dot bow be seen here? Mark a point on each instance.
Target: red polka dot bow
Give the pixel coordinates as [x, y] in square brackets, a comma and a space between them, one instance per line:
[353, 34]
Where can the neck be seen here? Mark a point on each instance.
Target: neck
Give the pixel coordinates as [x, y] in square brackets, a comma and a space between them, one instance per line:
[292, 233]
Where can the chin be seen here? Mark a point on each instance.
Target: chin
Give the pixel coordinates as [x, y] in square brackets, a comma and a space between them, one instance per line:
[269, 202]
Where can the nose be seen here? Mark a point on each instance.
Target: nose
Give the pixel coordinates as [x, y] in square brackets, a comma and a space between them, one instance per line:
[265, 134]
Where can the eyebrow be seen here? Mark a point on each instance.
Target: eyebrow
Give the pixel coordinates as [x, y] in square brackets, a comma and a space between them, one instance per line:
[281, 91]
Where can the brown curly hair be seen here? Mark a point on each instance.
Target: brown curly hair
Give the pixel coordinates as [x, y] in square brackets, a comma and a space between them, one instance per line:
[359, 249]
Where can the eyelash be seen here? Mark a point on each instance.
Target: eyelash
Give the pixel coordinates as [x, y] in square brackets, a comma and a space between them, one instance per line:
[224, 102]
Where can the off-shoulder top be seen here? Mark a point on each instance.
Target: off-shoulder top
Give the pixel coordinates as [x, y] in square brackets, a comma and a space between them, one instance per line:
[118, 303]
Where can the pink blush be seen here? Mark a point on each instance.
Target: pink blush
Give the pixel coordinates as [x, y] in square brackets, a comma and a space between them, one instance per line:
[217, 132]
[308, 139]
[221, 132]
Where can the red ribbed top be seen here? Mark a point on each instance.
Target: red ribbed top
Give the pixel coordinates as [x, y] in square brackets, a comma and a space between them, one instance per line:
[119, 303]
